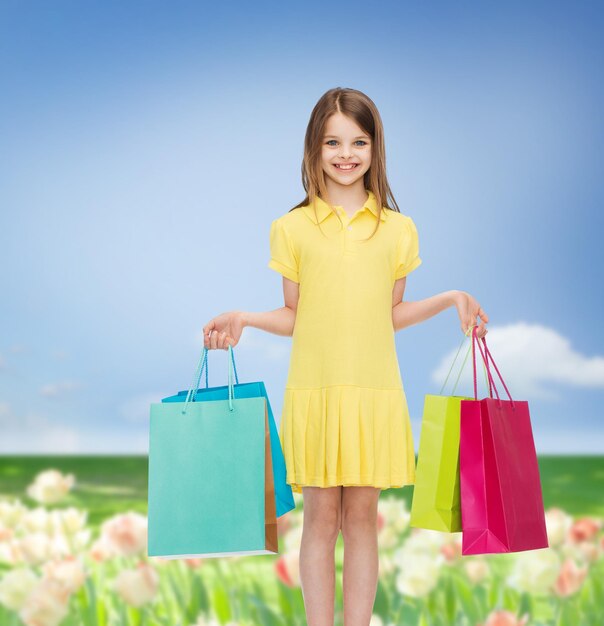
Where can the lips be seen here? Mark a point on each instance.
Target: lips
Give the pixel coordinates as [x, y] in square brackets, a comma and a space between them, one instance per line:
[346, 167]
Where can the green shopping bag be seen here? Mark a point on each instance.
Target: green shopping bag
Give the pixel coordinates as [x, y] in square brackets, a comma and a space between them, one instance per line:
[436, 502]
[211, 489]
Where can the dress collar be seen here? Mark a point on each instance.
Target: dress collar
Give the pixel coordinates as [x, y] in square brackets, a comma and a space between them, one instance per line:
[323, 209]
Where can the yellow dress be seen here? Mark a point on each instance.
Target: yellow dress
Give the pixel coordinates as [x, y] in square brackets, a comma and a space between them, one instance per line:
[345, 419]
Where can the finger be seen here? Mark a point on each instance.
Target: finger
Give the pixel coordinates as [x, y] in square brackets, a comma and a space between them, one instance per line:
[483, 315]
[221, 339]
[207, 329]
[213, 340]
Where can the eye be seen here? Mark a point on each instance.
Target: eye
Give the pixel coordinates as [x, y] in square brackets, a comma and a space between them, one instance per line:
[331, 142]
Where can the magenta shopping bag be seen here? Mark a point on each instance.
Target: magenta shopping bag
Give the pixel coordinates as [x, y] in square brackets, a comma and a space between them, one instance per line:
[501, 499]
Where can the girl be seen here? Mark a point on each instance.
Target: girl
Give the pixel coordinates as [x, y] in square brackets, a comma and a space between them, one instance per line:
[344, 253]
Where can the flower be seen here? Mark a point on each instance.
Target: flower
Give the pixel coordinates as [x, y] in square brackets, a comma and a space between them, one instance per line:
[419, 576]
[393, 520]
[137, 586]
[45, 605]
[535, 571]
[35, 548]
[68, 572]
[476, 569]
[15, 586]
[570, 578]
[584, 529]
[505, 618]
[287, 568]
[50, 486]
[557, 524]
[126, 533]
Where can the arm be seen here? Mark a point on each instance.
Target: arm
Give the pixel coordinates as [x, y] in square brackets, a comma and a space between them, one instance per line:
[280, 321]
[408, 313]
[229, 326]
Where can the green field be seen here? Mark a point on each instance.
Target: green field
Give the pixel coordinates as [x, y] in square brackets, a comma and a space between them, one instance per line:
[253, 590]
[109, 484]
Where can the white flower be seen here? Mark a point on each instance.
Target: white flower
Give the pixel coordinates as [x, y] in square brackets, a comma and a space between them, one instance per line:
[15, 586]
[35, 548]
[46, 605]
[69, 572]
[419, 575]
[535, 571]
[292, 539]
[37, 520]
[137, 586]
[50, 486]
[127, 533]
[557, 524]
[11, 513]
[395, 512]
[421, 542]
[393, 520]
[476, 569]
[69, 521]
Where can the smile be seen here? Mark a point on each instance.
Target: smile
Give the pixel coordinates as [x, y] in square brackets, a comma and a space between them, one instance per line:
[348, 166]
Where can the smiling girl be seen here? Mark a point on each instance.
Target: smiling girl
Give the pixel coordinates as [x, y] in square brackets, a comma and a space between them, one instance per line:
[344, 253]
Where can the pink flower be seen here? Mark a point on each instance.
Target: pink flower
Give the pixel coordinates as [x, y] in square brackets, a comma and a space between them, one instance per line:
[584, 529]
[570, 578]
[381, 521]
[287, 568]
[505, 618]
[126, 533]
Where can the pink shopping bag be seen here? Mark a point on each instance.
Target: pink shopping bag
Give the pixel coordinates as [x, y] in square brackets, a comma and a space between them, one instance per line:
[501, 499]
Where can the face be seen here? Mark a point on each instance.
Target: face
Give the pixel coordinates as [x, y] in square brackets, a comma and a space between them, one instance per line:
[345, 144]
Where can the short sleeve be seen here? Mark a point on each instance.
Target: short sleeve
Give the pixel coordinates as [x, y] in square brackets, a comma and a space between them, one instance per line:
[407, 255]
[283, 256]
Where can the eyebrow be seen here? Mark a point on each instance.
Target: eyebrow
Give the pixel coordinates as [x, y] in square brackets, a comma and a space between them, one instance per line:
[359, 136]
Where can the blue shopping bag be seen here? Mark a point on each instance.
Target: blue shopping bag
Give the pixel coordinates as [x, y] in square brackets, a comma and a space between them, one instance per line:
[284, 498]
[210, 480]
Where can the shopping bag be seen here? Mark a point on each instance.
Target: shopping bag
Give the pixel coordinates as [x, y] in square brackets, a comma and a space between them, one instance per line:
[210, 481]
[284, 498]
[501, 498]
[436, 502]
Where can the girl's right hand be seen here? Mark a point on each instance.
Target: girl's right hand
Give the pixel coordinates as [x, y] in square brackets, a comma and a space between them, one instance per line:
[223, 330]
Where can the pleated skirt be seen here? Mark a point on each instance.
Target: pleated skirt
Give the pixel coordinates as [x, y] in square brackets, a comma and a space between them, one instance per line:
[347, 435]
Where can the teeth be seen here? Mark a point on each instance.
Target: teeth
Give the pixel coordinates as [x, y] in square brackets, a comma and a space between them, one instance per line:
[346, 167]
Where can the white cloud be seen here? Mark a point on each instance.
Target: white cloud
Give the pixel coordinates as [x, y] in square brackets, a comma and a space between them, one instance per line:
[59, 389]
[534, 362]
[37, 434]
[136, 409]
[31, 433]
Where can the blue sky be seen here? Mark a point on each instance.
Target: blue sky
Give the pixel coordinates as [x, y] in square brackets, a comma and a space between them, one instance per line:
[146, 148]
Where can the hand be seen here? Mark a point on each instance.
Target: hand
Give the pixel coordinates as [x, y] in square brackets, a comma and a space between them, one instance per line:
[468, 309]
[223, 330]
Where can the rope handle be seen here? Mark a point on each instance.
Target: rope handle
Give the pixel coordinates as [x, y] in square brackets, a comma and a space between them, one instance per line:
[486, 355]
[487, 381]
[203, 364]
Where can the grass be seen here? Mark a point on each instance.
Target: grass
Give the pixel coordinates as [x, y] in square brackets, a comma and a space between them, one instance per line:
[107, 484]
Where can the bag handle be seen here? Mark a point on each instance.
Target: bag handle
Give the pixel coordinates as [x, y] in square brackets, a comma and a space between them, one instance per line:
[203, 362]
[488, 382]
[486, 355]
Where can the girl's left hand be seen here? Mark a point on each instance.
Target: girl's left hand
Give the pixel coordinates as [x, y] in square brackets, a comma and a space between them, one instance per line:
[468, 310]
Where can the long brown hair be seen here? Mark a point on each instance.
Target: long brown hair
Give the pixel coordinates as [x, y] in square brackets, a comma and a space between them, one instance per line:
[360, 108]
